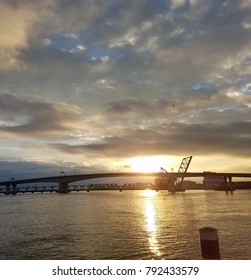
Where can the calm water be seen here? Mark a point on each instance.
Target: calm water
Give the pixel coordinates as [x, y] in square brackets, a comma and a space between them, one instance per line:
[127, 225]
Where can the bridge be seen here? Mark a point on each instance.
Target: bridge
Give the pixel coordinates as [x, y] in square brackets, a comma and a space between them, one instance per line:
[164, 180]
[171, 181]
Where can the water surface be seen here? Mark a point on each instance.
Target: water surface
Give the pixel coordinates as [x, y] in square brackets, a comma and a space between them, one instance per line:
[123, 225]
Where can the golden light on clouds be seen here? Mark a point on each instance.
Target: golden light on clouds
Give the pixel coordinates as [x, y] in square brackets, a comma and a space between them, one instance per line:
[151, 163]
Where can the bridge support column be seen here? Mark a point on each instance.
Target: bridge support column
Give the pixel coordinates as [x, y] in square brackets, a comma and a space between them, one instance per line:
[230, 186]
[172, 186]
[225, 183]
[172, 183]
[63, 188]
[14, 186]
[7, 189]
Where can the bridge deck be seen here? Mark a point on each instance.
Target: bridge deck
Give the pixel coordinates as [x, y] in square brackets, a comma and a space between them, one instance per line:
[80, 177]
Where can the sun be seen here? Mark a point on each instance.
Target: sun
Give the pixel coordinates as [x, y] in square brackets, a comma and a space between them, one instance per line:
[150, 163]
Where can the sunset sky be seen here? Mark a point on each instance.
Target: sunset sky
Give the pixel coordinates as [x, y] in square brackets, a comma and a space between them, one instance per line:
[124, 85]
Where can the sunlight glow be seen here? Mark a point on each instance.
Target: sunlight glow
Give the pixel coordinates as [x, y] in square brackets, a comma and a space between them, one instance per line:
[149, 193]
[150, 163]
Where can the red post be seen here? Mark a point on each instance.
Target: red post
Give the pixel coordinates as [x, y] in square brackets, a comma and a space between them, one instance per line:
[209, 243]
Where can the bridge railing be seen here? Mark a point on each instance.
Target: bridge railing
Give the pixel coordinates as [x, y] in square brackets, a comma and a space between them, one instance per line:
[53, 188]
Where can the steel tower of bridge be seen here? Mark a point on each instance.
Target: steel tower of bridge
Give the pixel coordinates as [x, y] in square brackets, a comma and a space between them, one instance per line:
[172, 183]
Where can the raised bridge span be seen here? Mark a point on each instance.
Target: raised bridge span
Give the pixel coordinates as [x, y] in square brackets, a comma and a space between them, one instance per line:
[169, 178]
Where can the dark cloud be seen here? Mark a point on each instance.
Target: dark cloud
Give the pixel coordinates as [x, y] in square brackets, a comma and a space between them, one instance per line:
[29, 169]
[171, 139]
[32, 117]
[225, 13]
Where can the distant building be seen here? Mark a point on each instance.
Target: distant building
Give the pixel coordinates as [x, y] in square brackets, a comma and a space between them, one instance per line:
[211, 181]
[242, 185]
[187, 184]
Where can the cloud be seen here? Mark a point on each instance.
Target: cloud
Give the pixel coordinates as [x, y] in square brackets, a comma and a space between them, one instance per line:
[32, 169]
[131, 127]
[174, 46]
[170, 139]
[123, 78]
[33, 117]
[14, 26]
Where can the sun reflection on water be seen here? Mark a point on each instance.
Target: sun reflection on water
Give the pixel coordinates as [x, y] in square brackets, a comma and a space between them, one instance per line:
[149, 193]
[151, 229]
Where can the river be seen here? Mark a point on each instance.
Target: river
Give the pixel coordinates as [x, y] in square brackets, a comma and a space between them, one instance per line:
[129, 225]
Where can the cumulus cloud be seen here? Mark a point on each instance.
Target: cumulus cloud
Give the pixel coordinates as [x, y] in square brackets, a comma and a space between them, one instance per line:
[18, 24]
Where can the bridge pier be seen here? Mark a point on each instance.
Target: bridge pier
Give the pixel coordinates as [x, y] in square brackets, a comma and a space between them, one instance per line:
[228, 184]
[63, 188]
[7, 190]
[171, 187]
[14, 188]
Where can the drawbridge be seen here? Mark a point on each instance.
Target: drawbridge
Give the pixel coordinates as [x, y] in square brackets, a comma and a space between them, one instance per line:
[172, 183]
